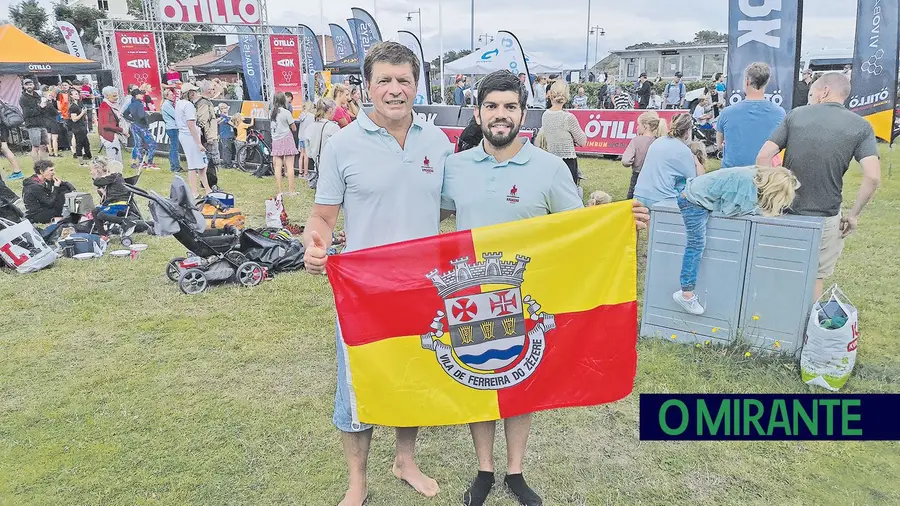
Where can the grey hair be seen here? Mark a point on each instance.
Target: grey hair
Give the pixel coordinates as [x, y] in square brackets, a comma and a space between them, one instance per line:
[109, 90]
[392, 53]
[758, 73]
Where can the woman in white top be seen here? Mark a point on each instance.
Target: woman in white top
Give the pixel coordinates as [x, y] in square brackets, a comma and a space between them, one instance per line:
[561, 129]
[283, 148]
[540, 92]
[319, 133]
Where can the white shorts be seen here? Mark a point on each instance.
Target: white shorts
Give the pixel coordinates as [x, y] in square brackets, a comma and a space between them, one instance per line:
[196, 159]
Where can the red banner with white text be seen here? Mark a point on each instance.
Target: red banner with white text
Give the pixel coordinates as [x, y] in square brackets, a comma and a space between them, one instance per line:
[137, 62]
[286, 66]
[609, 130]
[240, 12]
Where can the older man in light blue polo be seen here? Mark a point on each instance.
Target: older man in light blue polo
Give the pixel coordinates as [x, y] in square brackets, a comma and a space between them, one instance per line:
[504, 179]
[385, 170]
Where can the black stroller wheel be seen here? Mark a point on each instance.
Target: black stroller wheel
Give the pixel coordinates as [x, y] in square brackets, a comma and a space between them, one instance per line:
[236, 257]
[126, 241]
[249, 274]
[192, 282]
[173, 269]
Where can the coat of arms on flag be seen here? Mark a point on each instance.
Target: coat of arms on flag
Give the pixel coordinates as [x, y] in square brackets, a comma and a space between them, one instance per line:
[487, 329]
[493, 322]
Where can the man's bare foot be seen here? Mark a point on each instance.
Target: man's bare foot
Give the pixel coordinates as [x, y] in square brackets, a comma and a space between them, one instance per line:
[411, 474]
[355, 496]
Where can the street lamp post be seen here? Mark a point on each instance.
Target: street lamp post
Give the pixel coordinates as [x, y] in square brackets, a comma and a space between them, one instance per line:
[597, 32]
[409, 18]
[587, 39]
[472, 26]
[441, 38]
[485, 38]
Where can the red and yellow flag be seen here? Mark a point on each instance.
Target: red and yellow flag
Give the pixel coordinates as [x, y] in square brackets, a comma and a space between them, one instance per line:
[491, 323]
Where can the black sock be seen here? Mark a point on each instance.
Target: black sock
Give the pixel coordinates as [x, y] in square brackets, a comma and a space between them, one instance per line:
[479, 489]
[520, 489]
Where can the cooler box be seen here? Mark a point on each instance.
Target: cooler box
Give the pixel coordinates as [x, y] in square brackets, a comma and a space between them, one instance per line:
[80, 203]
[780, 279]
[719, 282]
[756, 280]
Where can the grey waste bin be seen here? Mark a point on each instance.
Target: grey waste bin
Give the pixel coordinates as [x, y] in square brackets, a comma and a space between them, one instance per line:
[719, 282]
[756, 279]
[780, 279]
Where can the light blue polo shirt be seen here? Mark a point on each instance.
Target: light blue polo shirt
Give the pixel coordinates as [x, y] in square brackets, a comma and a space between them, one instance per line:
[485, 192]
[388, 194]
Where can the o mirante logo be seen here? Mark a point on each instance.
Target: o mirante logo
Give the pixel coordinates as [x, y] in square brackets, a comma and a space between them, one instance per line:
[700, 417]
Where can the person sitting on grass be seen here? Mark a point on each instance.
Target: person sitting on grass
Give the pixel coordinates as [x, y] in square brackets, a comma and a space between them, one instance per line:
[44, 194]
[114, 195]
[734, 191]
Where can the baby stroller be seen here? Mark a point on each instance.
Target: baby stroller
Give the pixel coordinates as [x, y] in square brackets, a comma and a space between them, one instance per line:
[707, 137]
[128, 212]
[213, 255]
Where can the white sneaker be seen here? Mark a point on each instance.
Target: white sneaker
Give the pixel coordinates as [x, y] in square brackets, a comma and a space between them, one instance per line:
[691, 305]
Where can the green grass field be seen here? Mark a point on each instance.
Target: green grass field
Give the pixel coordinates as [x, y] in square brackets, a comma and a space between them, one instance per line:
[117, 389]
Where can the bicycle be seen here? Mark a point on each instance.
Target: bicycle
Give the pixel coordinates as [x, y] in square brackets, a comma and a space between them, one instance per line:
[256, 155]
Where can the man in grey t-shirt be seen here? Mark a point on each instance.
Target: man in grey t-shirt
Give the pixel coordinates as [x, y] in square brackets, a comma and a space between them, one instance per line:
[819, 141]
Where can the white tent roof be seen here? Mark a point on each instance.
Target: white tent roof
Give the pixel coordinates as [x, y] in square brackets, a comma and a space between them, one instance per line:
[473, 64]
[538, 65]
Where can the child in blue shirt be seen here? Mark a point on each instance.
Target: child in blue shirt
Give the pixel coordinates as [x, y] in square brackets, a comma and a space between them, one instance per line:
[727, 192]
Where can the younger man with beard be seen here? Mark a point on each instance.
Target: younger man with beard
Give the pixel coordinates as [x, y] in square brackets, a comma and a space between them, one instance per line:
[500, 180]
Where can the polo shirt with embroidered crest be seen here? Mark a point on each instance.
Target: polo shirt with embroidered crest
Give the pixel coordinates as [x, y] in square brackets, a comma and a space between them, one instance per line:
[388, 194]
[485, 192]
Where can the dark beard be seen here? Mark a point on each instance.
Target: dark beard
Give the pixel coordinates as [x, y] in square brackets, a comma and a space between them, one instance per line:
[500, 141]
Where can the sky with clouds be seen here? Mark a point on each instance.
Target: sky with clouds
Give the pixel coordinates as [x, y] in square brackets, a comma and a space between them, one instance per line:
[555, 30]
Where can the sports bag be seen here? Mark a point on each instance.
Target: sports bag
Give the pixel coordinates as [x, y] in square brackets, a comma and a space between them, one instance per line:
[10, 116]
[22, 247]
[221, 217]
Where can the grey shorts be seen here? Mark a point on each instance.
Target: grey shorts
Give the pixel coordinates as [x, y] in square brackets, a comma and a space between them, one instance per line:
[343, 408]
[37, 136]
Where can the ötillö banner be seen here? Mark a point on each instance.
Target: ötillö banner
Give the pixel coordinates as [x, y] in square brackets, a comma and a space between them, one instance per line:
[767, 33]
[489, 323]
[875, 56]
[137, 61]
[286, 65]
[609, 131]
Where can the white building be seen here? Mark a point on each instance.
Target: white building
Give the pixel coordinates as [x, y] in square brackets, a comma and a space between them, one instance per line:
[694, 62]
[114, 9]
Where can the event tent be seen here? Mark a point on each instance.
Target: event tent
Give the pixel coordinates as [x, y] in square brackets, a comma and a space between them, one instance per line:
[473, 64]
[543, 65]
[21, 54]
[228, 63]
[344, 66]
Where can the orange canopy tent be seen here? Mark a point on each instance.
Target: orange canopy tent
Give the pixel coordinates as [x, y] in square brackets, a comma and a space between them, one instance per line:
[21, 54]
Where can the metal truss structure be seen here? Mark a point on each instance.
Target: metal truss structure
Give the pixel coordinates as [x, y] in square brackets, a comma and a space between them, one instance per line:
[151, 23]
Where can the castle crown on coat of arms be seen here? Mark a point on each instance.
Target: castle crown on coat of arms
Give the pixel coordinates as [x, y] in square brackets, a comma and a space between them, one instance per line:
[491, 271]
